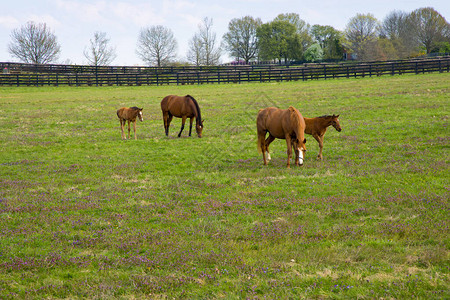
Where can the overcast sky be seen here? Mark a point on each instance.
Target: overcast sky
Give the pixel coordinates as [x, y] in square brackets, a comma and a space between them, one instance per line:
[75, 21]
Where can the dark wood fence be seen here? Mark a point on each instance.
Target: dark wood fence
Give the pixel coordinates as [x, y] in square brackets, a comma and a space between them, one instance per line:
[55, 75]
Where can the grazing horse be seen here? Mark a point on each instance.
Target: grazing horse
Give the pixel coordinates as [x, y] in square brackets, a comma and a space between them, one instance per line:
[129, 114]
[182, 107]
[318, 126]
[285, 124]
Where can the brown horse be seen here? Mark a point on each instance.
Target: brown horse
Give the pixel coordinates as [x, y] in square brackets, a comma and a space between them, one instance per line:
[318, 126]
[129, 114]
[182, 107]
[285, 124]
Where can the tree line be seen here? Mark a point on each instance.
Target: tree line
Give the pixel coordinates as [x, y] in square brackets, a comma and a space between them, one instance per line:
[284, 39]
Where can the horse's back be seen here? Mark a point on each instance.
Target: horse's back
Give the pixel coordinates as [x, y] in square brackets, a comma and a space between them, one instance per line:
[271, 119]
[120, 112]
[176, 105]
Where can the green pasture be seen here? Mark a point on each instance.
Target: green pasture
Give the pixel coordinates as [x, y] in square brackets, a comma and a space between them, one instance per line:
[84, 214]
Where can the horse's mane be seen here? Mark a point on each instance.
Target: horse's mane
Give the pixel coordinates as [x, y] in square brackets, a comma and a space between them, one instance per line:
[295, 120]
[135, 108]
[199, 116]
[326, 116]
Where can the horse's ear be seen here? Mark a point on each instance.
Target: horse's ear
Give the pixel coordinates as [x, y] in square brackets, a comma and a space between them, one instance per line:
[337, 116]
[203, 121]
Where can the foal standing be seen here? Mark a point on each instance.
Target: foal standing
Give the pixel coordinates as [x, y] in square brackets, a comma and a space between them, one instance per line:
[129, 114]
[318, 126]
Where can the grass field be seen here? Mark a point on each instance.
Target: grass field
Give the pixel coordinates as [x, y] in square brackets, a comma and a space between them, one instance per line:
[84, 214]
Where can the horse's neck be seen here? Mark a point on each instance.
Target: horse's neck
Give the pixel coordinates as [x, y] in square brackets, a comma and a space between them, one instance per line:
[324, 122]
[195, 110]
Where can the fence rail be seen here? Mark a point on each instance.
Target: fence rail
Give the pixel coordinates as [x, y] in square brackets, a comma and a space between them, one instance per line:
[212, 75]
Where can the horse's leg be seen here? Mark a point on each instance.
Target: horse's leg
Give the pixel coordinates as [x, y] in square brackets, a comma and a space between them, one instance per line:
[134, 127]
[297, 154]
[122, 124]
[289, 150]
[183, 120]
[168, 123]
[190, 125]
[129, 129]
[165, 119]
[269, 140]
[262, 144]
[319, 139]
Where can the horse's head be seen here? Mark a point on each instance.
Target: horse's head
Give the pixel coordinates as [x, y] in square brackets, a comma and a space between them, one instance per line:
[301, 147]
[335, 123]
[141, 118]
[199, 128]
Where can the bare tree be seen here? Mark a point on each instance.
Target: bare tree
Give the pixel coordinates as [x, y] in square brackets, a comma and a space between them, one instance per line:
[204, 45]
[34, 43]
[98, 53]
[156, 45]
[430, 27]
[361, 35]
[397, 28]
[241, 40]
[195, 51]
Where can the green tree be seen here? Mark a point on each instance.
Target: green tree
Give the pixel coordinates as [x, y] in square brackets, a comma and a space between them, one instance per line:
[314, 53]
[276, 40]
[302, 39]
[241, 40]
[329, 40]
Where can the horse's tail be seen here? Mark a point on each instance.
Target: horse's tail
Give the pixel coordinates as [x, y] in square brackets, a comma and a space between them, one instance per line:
[199, 114]
[259, 129]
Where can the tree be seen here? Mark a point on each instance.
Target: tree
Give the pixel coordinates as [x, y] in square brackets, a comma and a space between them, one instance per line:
[98, 53]
[397, 28]
[430, 27]
[34, 43]
[278, 40]
[361, 35]
[156, 45]
[241, 40]
[195, 51]
[302, 39]
[329, 40]
[202, 47]
[314, 53]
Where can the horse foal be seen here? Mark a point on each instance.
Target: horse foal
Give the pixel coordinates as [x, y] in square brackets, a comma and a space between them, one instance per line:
[129, 114]
[318, 126]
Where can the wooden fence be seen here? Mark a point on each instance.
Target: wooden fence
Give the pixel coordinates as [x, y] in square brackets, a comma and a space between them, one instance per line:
[55, 75]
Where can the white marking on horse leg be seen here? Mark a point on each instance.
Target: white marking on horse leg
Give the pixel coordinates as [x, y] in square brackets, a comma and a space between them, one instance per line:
[300, 156]
[268, 155]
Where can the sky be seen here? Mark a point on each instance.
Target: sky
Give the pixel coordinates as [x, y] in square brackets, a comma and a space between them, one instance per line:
[74, 22]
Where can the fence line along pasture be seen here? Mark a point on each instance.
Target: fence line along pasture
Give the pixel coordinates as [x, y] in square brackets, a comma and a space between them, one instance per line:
[54, 75]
